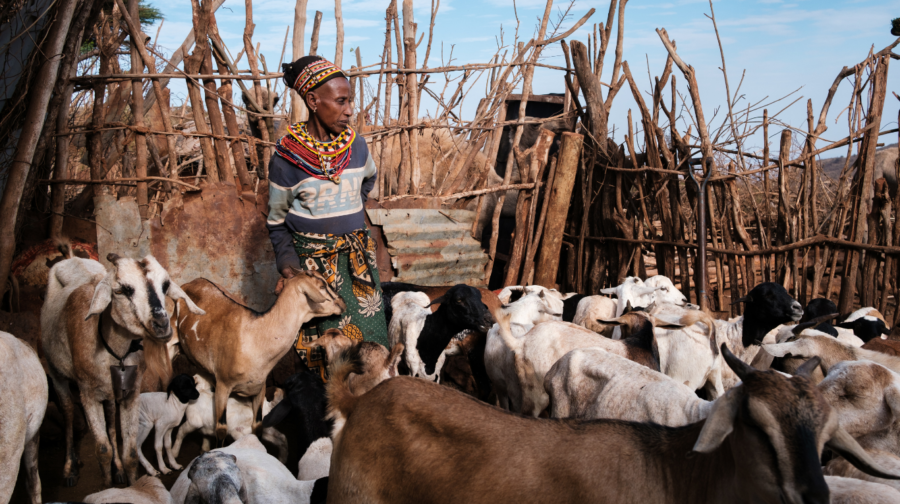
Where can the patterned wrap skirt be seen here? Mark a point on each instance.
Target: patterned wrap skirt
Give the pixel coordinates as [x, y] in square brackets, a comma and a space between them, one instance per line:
[348, 264]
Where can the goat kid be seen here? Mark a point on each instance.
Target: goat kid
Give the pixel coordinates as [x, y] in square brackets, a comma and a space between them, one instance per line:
[93, 319]
[378, 363]
[239, 418]
[760, 443]
[162, 412]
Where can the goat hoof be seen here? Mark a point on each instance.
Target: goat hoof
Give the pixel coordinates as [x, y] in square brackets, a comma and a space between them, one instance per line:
[71, 481]
[177, 467]
[120, 479]
[164, 470]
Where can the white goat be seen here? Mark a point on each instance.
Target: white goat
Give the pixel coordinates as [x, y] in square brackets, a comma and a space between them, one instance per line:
[593, 308]
[23, 402]
[162, 412]
[146, 490]
[410, 311]
[656, 289]
[238, 416]
[316, 462]
[499, 359]
[831, 351]
[260, 477]
[591, 383]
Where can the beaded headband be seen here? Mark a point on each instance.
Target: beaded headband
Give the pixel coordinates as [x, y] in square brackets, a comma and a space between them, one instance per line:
[314, 74]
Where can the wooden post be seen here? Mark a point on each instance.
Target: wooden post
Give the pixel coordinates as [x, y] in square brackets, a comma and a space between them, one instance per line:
[865, 175]
[137, 117]
[192, 65]
[31, 131]
[339, 42]
[263, 169]
[314, 41]
[298, 108]
[559, 196]
[223, 160]
[412, 92]
[531, 163]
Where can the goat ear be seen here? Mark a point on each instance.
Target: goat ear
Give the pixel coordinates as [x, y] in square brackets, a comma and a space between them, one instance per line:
[101, 299]
[805, 370]
[613, 322]
[781, 349]
[113, 258]
[193, 495]
[892, 398]
[608, 290]
[312, 290]
[437, 300]
[242, 494]
[763, 360]
[719, 423]
[885, 330]
[176, 293]
[393, 360]
[278, 413]
[844, 444]
[662, 324]
[628, 307]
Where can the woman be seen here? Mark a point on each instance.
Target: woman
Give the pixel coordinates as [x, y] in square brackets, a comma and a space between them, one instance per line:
[319, 178]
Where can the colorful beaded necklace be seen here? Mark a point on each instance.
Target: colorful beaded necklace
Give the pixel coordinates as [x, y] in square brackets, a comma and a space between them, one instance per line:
[322, 160]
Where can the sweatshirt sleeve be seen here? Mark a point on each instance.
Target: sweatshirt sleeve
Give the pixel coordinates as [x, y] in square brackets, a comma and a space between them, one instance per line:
[370, 176]
[280, 199]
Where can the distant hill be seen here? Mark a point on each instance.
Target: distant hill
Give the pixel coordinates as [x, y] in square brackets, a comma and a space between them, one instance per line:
[833, 166]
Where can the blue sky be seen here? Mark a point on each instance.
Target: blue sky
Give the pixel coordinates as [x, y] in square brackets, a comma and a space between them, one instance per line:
[782, 45]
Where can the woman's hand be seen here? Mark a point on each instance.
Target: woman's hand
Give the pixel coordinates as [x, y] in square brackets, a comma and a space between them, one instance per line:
[285, 274]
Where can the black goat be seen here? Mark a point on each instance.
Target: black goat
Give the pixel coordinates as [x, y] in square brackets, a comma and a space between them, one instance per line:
[306, 405]
[461, 308]
[766, 306]
[820, 307]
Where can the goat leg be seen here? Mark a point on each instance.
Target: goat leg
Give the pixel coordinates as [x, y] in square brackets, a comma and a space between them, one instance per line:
[143, 432]
[30, 462]
[109, 410]
[70, 470]
[185, 429]
[167, 439]
[222, 393]
[93, 410]
[257, 410]
[158, 446]
[130, 410]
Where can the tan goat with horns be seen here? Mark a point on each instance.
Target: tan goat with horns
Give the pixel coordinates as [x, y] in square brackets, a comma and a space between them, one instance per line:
[761, 443]
[240, 346]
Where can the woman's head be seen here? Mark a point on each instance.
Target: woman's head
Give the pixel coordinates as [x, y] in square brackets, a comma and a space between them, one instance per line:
[325, 90]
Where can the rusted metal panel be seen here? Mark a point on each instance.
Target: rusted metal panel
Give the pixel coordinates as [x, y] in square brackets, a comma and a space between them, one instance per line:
[217, 235]
[432, 247]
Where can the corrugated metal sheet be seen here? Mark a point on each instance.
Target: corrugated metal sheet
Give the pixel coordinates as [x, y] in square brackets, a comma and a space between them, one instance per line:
[432, 247]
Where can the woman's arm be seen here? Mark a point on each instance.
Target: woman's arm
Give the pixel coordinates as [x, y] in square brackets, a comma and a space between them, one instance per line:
[370, 176]
[280, 199]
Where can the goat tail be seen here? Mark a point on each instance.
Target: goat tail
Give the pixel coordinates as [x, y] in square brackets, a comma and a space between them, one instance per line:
[340, 400]
[691, 317]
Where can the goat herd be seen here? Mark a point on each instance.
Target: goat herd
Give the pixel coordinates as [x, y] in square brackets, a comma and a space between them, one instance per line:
[528, 395]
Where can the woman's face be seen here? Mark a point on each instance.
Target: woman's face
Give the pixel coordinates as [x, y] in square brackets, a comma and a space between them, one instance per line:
[331, 105]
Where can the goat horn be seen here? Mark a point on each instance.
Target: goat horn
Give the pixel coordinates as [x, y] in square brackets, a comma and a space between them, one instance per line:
[816, 322]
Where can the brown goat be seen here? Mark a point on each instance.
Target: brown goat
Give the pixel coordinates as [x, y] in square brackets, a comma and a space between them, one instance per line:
[378, 363]
[240, 346]
[760, 443]
[92, 320]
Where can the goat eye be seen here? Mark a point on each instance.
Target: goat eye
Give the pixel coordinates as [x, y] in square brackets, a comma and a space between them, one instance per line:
[124, 290]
